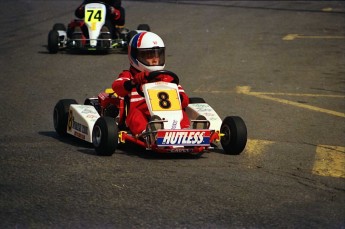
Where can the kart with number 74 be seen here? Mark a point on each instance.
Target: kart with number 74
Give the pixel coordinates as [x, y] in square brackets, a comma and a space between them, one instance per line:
[93, 33]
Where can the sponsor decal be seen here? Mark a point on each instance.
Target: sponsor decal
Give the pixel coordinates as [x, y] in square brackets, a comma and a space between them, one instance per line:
[72, 124]
[181, 150]
[183, 137]
[79, 127]
[174, 124]
[88, 111]
[70, 120]
[92, 116]
[202, 108]
[79, 135]
[102, 96]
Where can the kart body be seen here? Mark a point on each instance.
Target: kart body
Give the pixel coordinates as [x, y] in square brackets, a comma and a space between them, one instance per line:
[101, 121]
[93, 33]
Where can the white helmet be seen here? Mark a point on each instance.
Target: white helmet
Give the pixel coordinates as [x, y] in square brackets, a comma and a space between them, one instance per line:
[143, 46]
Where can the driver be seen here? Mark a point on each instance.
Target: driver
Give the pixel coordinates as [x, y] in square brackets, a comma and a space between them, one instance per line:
[146, 53]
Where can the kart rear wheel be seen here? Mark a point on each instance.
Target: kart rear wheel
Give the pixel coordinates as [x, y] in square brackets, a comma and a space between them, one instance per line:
[59, 26]
[53, 41]
[196, 100]
[235, 135]
[60, 115]
[145, 27]
[106, 33]
[77, 38]
[105, 136]
[130, 35]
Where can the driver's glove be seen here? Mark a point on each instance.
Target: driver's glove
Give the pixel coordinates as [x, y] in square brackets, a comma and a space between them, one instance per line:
[112, 9]
[140, 78]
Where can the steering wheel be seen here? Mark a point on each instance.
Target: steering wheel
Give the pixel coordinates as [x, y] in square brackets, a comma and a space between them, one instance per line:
[153, 76]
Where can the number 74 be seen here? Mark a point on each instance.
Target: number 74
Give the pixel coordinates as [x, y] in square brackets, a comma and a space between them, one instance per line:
[93, 15]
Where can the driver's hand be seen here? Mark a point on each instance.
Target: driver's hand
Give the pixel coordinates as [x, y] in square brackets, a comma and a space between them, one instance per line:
[140, 78]
[112, 9]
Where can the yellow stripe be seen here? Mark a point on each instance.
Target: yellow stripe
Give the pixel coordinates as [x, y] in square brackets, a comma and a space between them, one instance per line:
[314, 108]
[291, 37]
[256, 147]
[255, 150]
[329, 161]
[299, 94]
[328, 9]
[246, 90]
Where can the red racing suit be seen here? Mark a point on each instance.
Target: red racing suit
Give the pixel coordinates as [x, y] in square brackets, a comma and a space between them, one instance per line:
[138, 114]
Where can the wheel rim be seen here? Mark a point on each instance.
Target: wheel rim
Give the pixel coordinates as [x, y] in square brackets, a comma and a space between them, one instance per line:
[227, 135]
[96, 136]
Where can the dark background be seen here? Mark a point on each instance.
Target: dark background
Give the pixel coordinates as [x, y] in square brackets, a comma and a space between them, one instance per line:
[215, 47]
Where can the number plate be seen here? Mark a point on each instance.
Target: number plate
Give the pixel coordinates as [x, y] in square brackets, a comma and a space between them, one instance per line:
[164, 100]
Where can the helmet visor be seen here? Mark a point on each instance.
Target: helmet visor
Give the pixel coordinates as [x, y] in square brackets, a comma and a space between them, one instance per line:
[152, 56]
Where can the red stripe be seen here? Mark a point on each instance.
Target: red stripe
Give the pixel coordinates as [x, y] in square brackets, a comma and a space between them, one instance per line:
[140, 38]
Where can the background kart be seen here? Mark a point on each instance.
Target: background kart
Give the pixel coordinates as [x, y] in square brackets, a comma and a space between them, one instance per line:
[101, 121]
[94, 32]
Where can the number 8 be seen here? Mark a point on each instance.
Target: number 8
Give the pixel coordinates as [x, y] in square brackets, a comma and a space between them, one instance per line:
[164, 100]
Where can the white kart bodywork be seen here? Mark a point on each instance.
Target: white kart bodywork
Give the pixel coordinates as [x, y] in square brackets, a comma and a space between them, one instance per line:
[62, 36]
[173, 114]
[81, 119]
[195, 109]
[95, 14]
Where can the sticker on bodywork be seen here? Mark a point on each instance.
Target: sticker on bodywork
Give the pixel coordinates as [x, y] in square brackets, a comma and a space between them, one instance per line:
[183, 138]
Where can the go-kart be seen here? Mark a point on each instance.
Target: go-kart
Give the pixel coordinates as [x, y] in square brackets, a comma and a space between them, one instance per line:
[101, 121]
[93, 33]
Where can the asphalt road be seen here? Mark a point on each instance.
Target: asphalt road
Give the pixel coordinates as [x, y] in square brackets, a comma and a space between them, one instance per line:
[277, 64]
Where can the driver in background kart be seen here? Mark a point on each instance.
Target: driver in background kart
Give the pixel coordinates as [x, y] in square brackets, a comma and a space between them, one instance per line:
[117, 12]
[146, 53]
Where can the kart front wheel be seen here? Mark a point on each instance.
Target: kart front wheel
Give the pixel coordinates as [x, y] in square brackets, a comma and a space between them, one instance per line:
[60, 115]
[53, 41]
[105, 135]
[234, 137]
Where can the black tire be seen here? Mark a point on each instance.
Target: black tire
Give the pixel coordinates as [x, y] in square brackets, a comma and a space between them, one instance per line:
[107, 32]
[105, 136]
[53, 41]
[59, 26]
[104, 44]
[60, 115]
[145, 27]
[130, 35]
[196, 100]
[77, 39]
[235, 135]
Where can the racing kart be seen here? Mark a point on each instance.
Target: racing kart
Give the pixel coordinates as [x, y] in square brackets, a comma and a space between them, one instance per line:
[101, 121]
[94, 32]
